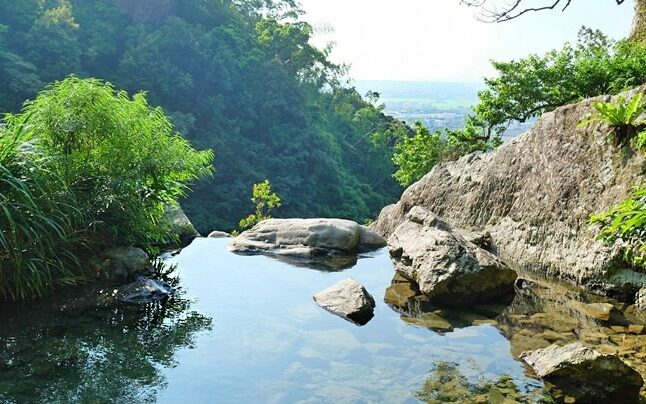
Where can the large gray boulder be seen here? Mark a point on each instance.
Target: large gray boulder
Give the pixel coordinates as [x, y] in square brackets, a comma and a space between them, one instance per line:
[306, 238]
[447, 268]
[585, 374]
[181, 225]
[534, 195]
[347, 299]
[122, 263]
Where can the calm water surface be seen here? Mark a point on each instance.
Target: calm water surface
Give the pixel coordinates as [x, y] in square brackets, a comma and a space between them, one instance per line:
[242, 329]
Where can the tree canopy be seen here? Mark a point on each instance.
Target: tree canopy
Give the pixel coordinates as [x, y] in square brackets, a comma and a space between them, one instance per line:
[239, 77]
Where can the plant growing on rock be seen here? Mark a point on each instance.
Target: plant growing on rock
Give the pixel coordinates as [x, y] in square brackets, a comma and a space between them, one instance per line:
[622, 115]
[265, 201]
[626, 222]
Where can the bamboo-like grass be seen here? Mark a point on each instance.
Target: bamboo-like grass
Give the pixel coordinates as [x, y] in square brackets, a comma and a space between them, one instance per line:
[37, 224]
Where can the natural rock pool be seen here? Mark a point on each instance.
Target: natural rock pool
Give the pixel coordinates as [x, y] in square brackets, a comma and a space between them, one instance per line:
[244, 329]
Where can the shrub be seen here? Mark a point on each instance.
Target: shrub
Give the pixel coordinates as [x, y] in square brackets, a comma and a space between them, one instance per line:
[622, 115]
[84, 166]
[38, 223]
[118, 156]
[265, 201]
[627, 222]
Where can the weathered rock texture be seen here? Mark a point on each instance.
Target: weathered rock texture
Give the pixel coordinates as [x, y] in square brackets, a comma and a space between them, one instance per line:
[347, 299]
[446, 267]
[640, 299]
[122, 263]
[585, 374]
[534, 195]
[638, 32]
[181, 225]
[306, 238]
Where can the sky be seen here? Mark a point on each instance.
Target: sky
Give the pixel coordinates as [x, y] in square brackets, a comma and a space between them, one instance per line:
[441, 40]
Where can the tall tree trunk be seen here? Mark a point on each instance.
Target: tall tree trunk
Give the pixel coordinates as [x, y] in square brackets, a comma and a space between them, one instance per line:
[638, 32]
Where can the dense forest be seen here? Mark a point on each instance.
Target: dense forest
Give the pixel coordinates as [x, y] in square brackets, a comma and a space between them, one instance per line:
[238, 77]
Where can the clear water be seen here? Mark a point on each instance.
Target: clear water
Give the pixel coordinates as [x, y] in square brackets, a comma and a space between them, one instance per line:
[242, 329]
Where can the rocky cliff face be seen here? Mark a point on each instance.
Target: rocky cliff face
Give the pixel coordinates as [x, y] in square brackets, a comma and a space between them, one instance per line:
[535, 194]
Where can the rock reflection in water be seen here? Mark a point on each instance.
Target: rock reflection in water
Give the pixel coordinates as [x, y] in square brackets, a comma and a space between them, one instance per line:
[324, 263]
[541, 313]
[92, 353]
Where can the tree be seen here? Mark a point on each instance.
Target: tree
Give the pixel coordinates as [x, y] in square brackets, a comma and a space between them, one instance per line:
[496, 11]
[265, 201]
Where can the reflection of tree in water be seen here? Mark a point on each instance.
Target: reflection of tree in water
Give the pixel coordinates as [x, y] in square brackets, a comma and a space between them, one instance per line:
[446, 384]
[104, 355]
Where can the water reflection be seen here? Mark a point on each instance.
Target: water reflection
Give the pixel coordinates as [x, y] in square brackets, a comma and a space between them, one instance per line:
[542, 312]
[59, 354]
[272, 343]
[448, 384]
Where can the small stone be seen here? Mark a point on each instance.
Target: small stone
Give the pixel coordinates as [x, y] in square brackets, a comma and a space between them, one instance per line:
[636, 329]
[349, 300]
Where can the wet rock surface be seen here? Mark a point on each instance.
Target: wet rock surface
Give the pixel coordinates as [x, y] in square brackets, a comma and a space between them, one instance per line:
[347, 299]
[142, 292]
[585, 374]
[445, 266]
[542, 313]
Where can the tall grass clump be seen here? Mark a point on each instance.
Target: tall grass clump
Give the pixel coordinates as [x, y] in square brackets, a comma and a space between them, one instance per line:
[37, 223]
[85, 167]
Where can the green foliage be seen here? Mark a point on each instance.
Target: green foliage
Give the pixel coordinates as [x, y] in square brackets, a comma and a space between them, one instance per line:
[81, 167]
[531, 86]
[622, 115]
[265, 201]
[116, 154]
[416, 155]
[38, 222]
[626, 222]
[238, 76]
[526, 88]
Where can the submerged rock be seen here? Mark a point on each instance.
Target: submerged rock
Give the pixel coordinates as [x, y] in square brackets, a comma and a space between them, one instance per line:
[605, 312]
[447, 268]
[585, 374]
[307, 238]
[122, 263]
[347, 299]
[143, 291]
[534, 195]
